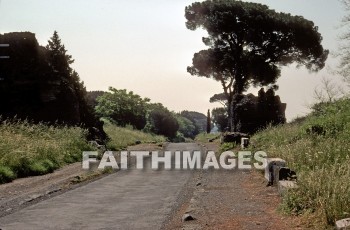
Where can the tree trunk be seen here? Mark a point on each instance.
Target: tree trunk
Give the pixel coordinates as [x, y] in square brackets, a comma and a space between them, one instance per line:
[230, 115]
[208, 122]
[235, 119]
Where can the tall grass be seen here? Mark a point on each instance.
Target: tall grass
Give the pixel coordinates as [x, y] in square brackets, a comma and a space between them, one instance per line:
[35, 149]
[205, 137]
[122, 137]
[318, 148]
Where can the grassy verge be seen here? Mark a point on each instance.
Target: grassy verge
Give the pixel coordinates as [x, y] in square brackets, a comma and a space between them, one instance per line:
[27, 149]
[205, 137]
[318, 148]
[120, 138]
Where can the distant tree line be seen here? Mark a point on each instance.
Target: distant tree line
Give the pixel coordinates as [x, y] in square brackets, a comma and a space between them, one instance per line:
[127, 108]
[253, 113]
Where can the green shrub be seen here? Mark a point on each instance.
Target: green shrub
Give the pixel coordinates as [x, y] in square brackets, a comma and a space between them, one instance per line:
[6, 174]
[228, 146]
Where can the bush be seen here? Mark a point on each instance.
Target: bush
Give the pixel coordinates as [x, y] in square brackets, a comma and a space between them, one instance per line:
[6, 174]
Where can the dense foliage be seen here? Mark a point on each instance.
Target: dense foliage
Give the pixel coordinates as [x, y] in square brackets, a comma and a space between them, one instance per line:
[38, 84]
[186, 127]
[127, 108]
[198, 119]
[162, 122]
[220, 118]
[124, 108]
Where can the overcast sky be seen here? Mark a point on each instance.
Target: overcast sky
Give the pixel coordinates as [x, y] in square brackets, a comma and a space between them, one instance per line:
[144, 46]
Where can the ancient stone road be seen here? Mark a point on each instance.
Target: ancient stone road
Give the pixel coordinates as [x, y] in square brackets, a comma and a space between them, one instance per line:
[131, 199]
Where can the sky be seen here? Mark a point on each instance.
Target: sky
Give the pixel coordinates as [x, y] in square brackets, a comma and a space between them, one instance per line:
[145, 47]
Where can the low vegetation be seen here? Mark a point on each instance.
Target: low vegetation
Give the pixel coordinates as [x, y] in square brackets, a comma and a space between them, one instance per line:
[121, 137]
[36, 149]
[318, 148]
[205, 137]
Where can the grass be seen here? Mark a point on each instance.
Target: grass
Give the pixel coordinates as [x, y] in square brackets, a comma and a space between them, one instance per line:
[36, 149]
[121, 137]
[205, 137]
[318, 148]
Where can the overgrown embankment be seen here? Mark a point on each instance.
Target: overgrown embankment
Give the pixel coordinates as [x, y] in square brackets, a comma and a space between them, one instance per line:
[121, 137]
[36, 149]
[318, 148]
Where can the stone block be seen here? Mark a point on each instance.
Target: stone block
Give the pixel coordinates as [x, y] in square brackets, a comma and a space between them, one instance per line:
[343, 224]
[284, 185]
[271, 164]
[244, 142]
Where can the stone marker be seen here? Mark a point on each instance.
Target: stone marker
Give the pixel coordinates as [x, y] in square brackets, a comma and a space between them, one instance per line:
[269, 170]
[244, 142]
[187, 217]
[234, 137]
[284, 185]
[285, 173]
[343, 224]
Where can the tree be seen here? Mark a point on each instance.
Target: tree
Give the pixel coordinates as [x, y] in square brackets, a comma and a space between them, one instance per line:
[208, 121]
[186, 126]
[123, 107]
[161, 121]
[63, 82]
[328, 92]
[220, 97]
[198, 119]
[92, 97]
[344, 47]
[59, 60]
[248, 44]
[39, 85]
[219, 117]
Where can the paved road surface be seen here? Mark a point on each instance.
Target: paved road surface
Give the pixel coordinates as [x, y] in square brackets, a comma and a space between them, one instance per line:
[132, 199]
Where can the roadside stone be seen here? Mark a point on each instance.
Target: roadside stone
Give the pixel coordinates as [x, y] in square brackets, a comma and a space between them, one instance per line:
[233, 137]
[343, 224]
[187, 217]
[53, 191]
[269, 170]
[286, 173]
[244, 142]
[285, 185]
[33, 197]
